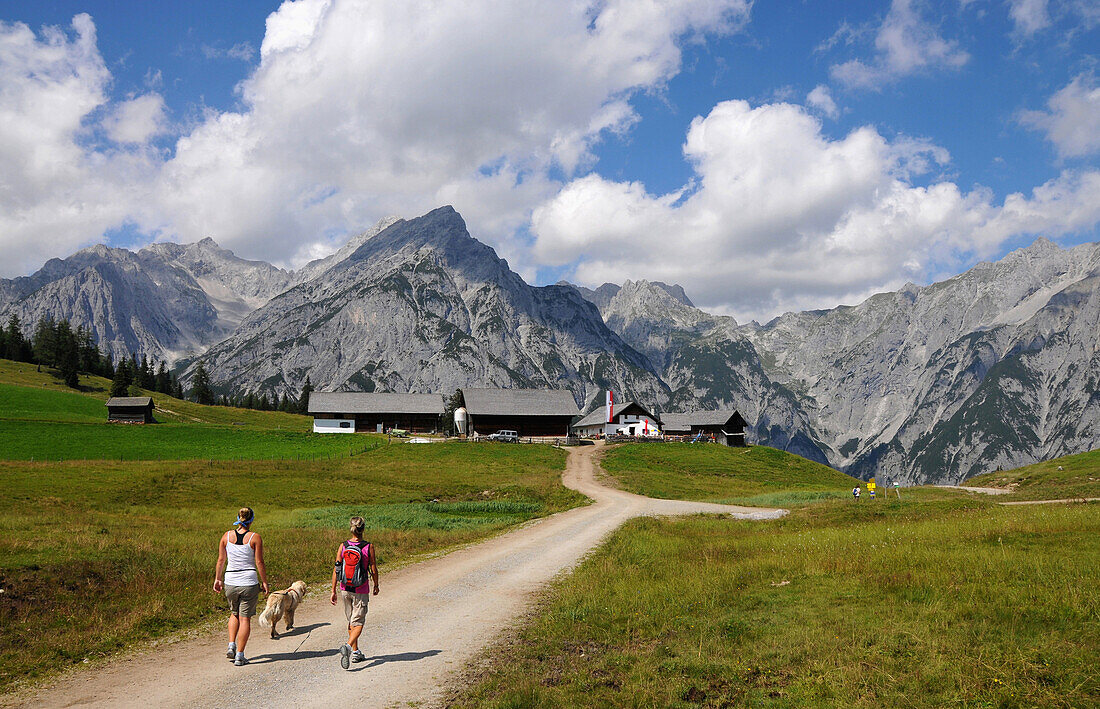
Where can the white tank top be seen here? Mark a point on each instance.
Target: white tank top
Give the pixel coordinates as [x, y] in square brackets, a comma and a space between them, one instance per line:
[241, 569]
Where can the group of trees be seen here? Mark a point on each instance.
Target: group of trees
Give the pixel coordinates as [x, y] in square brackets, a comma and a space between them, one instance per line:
[132, 373]
[204, 394]
[55, 343]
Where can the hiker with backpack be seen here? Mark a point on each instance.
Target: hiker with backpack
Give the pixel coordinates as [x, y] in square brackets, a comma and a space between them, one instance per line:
[241, 556]
[355, 561]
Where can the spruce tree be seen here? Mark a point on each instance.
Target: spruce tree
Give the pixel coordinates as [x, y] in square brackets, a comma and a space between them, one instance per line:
[120, 384]
[303, 400]
[200, 386]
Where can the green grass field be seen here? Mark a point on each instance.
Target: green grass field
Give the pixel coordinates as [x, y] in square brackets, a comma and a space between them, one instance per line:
[41, 419]
[98, 553]
[756, 475]
[1079, 477]
[939, 598]
[907, 604]
[96, 557]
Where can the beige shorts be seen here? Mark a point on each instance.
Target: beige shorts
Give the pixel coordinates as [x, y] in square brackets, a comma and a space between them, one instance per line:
[355, 606]
[243, 599]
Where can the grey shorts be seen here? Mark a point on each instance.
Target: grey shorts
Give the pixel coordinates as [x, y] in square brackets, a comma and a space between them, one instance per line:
[355, 606]
[243, 599]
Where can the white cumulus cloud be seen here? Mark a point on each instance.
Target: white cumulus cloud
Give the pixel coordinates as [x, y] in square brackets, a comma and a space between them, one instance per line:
[780, 217]
[1029, 16]
[361, 109]
[905, 43]
[57, 194]
[821, 99]
[1072, 121]
[136, 120]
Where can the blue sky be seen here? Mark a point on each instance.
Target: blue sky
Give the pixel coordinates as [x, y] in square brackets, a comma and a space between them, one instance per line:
[768, 156]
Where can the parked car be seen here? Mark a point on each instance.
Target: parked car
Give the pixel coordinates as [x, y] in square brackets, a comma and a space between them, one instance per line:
[505, 436]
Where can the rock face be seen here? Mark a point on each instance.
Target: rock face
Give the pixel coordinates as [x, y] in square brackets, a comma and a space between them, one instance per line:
[422, 306]
[994, 368]
[706, 362]
[166, 301]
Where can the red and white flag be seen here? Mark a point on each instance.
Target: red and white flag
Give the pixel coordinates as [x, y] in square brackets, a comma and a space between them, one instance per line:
[610, 407]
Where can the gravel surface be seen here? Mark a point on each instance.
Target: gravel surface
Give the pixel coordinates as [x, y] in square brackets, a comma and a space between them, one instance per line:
[429, 620]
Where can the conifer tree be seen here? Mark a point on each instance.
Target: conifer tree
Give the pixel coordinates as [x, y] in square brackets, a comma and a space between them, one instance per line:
[200, 386]
[120, 385]
[303, 400]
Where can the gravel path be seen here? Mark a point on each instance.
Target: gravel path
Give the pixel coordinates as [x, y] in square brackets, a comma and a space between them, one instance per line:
[429, 620]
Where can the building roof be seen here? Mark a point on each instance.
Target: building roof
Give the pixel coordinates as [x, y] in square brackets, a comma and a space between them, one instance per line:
[684, 422]
[358, 402]
[130, 401]
[520, 402]
[598, 415]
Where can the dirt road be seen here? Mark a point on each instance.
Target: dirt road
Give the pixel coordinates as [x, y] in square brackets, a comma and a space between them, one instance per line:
[429, 620]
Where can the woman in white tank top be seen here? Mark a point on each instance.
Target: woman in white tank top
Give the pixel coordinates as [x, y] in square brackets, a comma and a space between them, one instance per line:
[241, 558]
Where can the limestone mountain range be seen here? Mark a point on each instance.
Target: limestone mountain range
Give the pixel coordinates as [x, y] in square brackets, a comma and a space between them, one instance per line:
[993, 368]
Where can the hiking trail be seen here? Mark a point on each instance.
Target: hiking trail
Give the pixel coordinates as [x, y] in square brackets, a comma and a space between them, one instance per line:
[429, 620]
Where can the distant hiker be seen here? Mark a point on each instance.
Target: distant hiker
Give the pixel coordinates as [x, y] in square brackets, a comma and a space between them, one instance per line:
[871, 490]
[355, 561]
[244, 550]
[855, 493]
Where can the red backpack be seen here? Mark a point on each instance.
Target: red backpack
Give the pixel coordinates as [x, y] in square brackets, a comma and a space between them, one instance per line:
[353, 570]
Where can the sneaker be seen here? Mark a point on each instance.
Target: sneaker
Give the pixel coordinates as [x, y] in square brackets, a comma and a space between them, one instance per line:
[357, 656]
[231, 652]
[345, 655]
[240, 661]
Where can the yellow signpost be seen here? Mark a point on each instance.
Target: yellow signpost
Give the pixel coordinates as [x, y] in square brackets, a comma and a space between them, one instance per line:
[871, 487]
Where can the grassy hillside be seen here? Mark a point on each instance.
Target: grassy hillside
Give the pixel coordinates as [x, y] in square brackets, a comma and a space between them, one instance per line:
[917, 604]
[756, 475]
[1079, 477]
[168, 409]
[127, 547]
[41, 419]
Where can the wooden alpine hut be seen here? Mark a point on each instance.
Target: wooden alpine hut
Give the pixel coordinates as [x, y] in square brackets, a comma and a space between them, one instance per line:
[725, 427]
[130, 409]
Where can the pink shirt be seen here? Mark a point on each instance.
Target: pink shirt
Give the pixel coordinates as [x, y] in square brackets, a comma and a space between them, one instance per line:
[366, 546]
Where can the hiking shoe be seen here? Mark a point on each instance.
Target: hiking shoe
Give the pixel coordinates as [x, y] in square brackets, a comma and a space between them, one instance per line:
[357, 656]
[231, 652]
[240, 661]
[345, 655]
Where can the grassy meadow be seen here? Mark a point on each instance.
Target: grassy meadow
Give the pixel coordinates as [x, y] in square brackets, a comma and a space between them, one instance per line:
[939, 598]
[756, 475]
[42, 419]
[1079, 477]
[930, 603]
[98, 554]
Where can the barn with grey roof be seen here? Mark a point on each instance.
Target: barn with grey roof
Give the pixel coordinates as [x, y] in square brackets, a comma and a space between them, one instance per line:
[351, 411]
[529, 412]
[726, 427]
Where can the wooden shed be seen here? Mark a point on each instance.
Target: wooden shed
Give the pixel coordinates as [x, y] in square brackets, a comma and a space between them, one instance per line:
[351, 411]
[529, 412]
[130, 409]
[726, 427]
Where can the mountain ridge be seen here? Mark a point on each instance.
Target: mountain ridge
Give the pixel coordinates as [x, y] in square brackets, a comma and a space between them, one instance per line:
[991, 367]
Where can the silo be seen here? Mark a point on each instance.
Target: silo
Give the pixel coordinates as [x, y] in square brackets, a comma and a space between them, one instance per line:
[460, 420]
